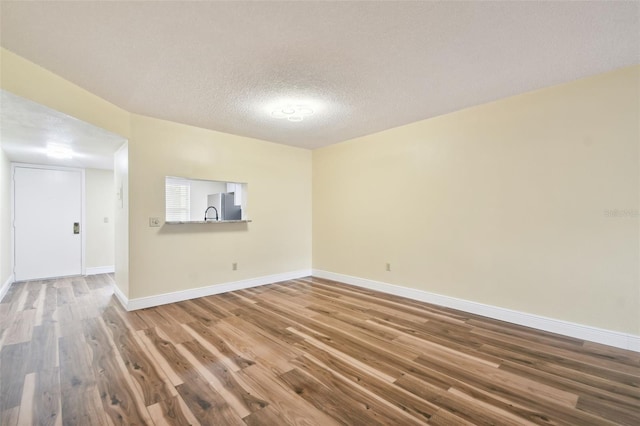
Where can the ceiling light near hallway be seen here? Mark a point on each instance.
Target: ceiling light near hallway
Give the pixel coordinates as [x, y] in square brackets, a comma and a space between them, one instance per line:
[293, 113]
[59, 151]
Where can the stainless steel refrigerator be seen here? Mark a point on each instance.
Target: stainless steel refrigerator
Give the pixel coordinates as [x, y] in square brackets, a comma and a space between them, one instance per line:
[225, 203]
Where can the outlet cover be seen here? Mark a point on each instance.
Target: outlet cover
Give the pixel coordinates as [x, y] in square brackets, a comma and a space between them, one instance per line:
[154, 222]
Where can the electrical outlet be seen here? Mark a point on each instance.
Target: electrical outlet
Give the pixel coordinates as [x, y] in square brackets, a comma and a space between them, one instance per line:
[154, 222]
[388, 267]
[106, 220]
[234, 266]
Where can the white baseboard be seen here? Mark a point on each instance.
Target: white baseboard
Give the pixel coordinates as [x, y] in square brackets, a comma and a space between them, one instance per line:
[579, 331]
[178, 296]
[5, 287]
[124, 301]
[100, 270]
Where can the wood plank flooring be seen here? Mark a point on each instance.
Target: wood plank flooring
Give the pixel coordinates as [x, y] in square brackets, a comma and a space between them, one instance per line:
[301, 352]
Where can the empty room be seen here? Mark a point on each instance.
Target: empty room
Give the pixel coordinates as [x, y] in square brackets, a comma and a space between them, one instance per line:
[319, 213]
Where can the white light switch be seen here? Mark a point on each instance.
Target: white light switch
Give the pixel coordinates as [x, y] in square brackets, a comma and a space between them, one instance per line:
[106, 220]
[154, 222]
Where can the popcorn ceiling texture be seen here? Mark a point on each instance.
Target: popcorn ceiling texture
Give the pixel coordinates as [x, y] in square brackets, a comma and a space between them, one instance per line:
[367, 66]
[28, 128]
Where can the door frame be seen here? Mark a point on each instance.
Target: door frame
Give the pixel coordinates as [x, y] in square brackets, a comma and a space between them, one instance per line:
[83, 226]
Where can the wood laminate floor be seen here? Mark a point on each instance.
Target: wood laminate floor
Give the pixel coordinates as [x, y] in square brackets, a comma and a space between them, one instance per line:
[303, 352]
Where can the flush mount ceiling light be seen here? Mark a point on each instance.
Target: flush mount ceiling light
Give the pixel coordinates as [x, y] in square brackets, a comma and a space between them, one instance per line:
[294, 113]
[59, 151]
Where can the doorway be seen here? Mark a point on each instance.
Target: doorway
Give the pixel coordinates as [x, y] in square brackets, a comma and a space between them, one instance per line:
[48, 221]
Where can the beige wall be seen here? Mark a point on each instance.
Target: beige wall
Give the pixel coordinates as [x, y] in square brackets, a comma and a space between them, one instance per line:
[5, 218]
[180, 257]
[100, 204]
[504, 204]
[508, 204]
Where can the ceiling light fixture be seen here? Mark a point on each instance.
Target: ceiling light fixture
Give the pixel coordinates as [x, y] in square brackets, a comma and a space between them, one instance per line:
[294, 113]
[59, 151]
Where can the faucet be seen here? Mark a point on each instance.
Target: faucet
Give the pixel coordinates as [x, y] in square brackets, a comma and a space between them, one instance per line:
[207, 210]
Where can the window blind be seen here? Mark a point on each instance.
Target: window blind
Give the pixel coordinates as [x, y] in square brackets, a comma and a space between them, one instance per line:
[178, 200]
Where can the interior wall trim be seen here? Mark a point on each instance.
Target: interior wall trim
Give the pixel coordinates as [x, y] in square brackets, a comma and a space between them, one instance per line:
[179, 296]
[5, 287]
[566, 328]
[124, 300]
[100, 270]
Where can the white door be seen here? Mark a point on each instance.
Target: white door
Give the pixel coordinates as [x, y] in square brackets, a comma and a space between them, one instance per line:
[47, 223]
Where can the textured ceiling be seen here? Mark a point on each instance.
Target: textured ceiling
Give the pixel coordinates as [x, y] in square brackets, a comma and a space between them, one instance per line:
[28, 129]
[363, 66]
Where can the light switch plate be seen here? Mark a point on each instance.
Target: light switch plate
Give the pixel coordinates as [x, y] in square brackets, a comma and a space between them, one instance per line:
[154, 222]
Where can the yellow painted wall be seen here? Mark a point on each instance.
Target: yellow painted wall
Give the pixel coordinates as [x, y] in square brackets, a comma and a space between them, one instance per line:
[511, 204]
[181, 257]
